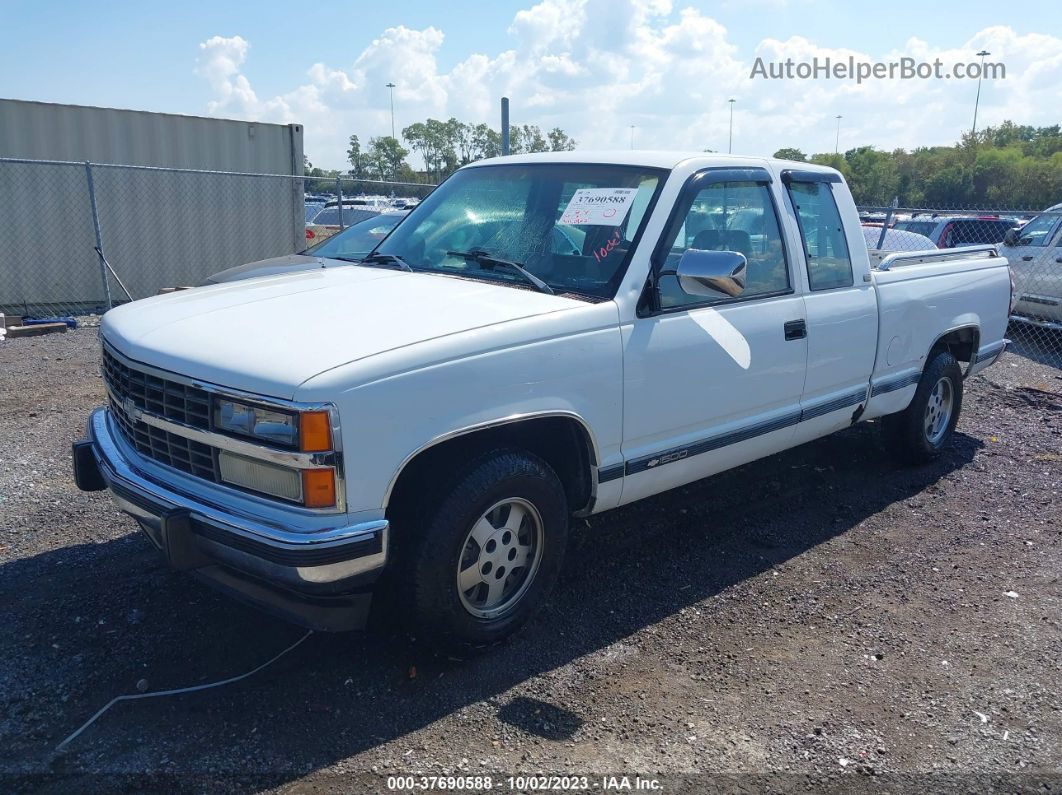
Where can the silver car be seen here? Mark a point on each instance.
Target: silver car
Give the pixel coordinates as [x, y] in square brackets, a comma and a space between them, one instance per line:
[350, 245]
[1035, 256]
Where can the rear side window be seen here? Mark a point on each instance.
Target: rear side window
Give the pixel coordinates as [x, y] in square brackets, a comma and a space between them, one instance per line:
[967, 233]
[920, 227]
[829, 263]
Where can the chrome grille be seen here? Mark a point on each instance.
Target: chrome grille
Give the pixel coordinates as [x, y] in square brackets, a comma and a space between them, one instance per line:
[172, 400]
[165, 398]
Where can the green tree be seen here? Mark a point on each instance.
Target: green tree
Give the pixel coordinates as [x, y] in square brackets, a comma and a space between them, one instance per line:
[559, 141]
[444, 146]
[873, 175]
[790, 153]
[449, 133]
[423, 140]
[385, 156]
[486, 142]
[460, 137]
[526, 138]
[356, 157]
[832, 160]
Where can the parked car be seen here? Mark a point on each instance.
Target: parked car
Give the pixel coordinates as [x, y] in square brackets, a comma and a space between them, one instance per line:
[442, 409]
[355, 242]
[311, 209]
[954, 231]
[1035, 255]
[364, 200]
[894, 240]
[350, 245]
[327, 222]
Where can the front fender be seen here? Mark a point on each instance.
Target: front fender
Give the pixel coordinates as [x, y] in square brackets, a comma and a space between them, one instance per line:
[403, 402]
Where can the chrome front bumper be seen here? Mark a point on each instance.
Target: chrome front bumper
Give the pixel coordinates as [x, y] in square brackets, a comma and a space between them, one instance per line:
[270, 565]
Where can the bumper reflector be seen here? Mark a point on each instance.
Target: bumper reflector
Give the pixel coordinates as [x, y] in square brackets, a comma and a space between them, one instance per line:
[260, 476]
[319, 488]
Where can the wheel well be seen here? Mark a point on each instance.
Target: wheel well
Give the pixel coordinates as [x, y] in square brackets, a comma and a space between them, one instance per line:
[562, 442]
[962, 343]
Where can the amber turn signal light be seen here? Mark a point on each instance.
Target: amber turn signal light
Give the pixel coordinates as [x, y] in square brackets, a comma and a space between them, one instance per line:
[319, 488]
[315, 432]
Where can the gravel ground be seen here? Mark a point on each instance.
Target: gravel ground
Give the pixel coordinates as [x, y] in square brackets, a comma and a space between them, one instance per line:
[816, 618]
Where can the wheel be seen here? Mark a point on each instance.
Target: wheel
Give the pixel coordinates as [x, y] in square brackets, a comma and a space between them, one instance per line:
[487, 555]
[921, 431]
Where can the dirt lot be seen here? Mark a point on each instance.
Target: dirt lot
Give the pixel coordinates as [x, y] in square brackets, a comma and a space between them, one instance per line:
[820, 617]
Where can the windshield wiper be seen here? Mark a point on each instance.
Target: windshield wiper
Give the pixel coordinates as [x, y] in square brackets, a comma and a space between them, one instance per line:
[485, 260]
[384, 259]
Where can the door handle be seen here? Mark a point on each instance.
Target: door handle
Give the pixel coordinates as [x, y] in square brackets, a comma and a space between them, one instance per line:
[796, 330]
[1026, 259]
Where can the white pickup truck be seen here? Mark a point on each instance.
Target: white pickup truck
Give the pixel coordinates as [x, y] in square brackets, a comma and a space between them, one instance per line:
[545, 336]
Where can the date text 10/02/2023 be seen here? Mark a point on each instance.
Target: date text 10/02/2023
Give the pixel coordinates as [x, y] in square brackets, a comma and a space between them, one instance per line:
[528, 783]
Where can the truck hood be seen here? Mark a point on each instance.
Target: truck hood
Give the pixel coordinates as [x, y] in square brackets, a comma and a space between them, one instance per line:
[289, 263]
[270, 334]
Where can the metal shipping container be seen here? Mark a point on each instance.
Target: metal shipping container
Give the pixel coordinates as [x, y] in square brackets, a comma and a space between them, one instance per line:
[165, 222]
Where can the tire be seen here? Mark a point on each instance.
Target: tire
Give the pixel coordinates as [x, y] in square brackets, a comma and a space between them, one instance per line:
[523, 503]
[919, 433]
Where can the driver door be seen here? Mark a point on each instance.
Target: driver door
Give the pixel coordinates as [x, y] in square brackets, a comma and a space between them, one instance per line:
[711, 383]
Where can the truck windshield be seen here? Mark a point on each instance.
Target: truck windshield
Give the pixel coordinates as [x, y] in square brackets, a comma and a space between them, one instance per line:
[572, 225]
[1036, 232]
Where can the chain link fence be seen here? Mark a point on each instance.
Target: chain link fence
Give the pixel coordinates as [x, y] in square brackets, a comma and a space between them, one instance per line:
[1031, 241]
[77, 238]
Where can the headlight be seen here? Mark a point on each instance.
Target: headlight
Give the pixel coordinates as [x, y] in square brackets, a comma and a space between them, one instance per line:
[244, 419]
[305, 431]
[309, 431]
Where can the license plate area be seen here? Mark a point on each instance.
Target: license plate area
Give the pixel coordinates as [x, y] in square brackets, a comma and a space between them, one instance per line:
[177, 541]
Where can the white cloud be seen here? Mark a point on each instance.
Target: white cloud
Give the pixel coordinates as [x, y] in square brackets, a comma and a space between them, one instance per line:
[594, 67]
[219, 61]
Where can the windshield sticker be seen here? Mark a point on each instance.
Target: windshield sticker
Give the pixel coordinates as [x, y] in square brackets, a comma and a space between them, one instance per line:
[598, 206]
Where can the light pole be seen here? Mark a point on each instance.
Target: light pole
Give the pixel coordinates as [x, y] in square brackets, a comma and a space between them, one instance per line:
[632, 136]
[977, 101]
[837, 142]
[394, 165]
[391, 88]
[730, 146]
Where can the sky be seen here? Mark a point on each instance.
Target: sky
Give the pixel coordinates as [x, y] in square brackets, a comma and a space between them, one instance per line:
[591, 67]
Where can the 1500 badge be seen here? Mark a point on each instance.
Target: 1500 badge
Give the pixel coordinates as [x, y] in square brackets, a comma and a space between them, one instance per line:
[667, 459]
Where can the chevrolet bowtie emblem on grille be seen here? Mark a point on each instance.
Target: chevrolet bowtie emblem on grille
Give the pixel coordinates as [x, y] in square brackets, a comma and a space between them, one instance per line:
[130, 409]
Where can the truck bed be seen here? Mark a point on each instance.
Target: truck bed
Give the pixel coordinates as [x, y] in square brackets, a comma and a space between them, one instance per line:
[915, 290]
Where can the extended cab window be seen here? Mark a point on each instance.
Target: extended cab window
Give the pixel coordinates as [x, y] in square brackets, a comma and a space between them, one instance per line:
[730, 216]
[829, 263]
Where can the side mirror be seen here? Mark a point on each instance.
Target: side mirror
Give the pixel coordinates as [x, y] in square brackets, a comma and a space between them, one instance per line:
[1011, 237]
[712, 273]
